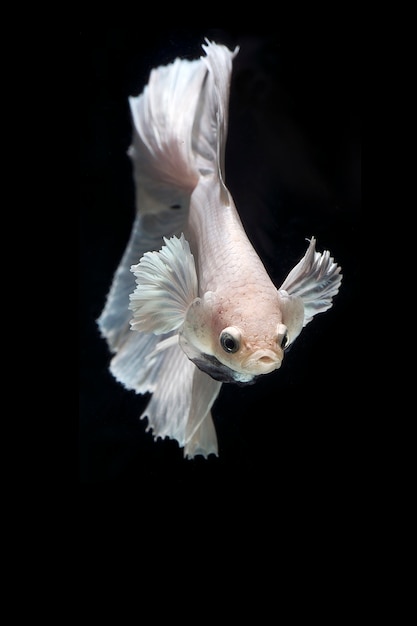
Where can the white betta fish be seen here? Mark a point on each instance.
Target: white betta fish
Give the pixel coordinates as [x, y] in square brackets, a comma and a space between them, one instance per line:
[191, 305]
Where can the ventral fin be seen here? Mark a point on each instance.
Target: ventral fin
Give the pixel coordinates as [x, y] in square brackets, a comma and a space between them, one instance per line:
[166, 286]
[315, 279]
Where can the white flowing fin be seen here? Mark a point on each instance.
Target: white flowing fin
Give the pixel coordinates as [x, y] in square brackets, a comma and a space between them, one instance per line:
[180, 127]
[166, 286]
[210, 128]
[203, 441]
[163, 118]
[181, 402]
[315, 279]
[168, 408]
[137, 362]
[147, 234]
[204, 393]
[219, 60]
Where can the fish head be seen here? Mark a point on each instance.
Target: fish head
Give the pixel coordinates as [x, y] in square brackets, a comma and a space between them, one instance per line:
[234, 343]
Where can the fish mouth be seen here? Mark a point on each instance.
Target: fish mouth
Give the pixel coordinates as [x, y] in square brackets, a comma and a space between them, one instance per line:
[262, 362]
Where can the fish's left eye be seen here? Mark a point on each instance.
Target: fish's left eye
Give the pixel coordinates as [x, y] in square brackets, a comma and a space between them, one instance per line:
[230, 339]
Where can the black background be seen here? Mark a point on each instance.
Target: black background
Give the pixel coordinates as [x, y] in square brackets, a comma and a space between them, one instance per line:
[293, 167]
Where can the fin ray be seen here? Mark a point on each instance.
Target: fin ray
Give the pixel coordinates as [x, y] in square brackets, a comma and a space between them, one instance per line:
[147, 234]
[166, 286]
[205, 391]
[315, 279]
[130, 367]
[180, 404]
[203, 441]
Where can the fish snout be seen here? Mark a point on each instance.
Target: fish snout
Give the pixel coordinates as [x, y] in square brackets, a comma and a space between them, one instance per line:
[262, 362]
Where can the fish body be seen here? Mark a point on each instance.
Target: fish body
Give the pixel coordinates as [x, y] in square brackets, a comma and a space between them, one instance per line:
[237, 298]
[191, 305]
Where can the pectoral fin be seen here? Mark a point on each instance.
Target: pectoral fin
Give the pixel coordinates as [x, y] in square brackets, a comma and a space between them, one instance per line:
[166, 286]
[315, 279]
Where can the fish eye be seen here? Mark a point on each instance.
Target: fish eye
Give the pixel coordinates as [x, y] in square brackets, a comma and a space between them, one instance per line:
[230, 339]
[283, 339]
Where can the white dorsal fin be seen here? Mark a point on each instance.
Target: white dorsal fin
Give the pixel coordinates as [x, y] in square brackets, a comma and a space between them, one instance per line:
[166, 286]
[315, 279]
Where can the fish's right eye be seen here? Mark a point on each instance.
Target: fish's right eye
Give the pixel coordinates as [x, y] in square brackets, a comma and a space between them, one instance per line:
[230, 339]
[283, 338]
[285, 341]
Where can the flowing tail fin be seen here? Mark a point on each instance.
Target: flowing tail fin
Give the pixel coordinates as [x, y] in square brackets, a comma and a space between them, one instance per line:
[180, 124]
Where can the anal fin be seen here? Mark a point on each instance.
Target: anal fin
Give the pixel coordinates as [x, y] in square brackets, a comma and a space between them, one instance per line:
[203, 441]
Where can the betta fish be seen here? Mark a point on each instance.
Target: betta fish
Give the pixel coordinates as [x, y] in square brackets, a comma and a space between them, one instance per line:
[191, 305]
